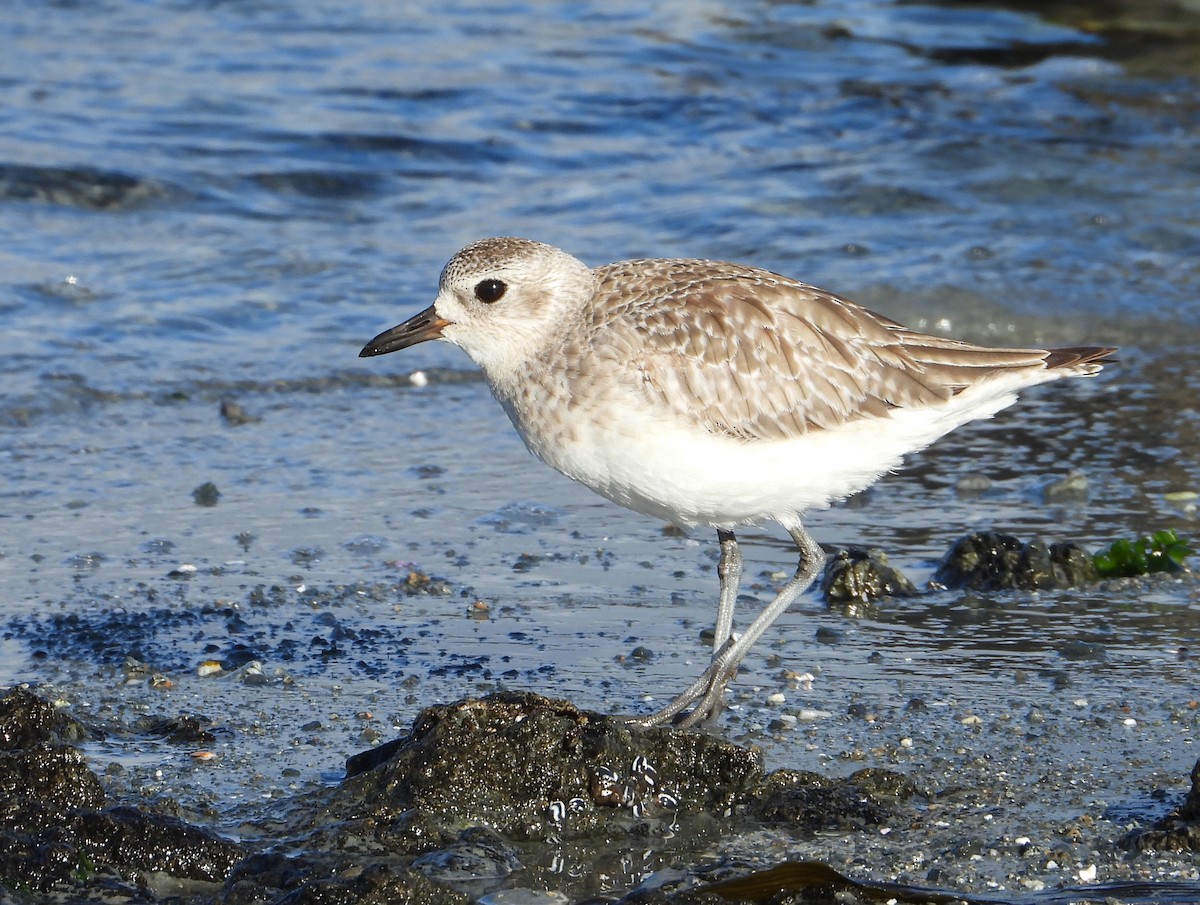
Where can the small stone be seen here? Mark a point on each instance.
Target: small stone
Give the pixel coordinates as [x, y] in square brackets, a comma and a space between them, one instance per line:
[206, 494]
[972, 485]
[856, 574]
[809, 714]
[234, 415]
[1071, 489]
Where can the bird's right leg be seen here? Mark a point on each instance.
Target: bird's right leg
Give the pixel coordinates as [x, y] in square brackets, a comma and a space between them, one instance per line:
[729, 569]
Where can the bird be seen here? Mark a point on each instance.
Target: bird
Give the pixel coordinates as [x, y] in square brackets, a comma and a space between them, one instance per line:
[712, 394]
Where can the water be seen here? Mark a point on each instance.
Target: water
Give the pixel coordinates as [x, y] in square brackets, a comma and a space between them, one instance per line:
[207, 201]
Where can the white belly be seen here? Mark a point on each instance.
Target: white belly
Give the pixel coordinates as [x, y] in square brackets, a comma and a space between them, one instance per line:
[689, 477]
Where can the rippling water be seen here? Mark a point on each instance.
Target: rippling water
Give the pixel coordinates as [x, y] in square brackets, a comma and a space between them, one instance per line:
[203, 201]
[197, 190]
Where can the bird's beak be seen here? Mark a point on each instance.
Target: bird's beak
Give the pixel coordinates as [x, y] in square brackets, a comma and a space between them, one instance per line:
[417, 329]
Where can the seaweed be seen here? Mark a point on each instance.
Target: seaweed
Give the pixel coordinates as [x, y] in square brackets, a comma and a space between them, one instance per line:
[1162, 551]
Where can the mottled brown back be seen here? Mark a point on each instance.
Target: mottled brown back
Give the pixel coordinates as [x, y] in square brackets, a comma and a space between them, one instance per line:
[747, 353]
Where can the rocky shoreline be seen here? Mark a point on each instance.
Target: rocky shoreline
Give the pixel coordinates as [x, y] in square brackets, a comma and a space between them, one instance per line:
[509, 798]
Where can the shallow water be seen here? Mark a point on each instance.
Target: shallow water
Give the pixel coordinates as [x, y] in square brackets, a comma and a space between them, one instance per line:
[202, 202]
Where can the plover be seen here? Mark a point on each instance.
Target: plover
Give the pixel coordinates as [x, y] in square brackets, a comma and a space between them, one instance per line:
[714, 394]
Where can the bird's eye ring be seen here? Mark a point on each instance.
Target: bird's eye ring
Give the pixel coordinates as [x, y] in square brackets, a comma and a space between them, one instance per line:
[490, 291]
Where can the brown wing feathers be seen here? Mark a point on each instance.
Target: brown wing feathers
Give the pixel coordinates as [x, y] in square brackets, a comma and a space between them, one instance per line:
[759, 356]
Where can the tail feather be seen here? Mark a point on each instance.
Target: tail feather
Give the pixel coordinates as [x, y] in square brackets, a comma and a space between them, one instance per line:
[1085, 360]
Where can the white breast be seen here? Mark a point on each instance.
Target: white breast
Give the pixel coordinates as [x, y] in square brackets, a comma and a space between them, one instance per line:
[647, 462]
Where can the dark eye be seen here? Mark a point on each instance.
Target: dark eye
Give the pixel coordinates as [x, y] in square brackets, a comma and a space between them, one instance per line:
[490, 291]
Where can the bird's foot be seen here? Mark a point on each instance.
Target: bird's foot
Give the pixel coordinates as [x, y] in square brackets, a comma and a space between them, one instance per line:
[707, 693]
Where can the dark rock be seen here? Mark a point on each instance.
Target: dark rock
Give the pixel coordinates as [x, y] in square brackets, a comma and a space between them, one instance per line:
[857, 574]
[445, 814]
[27, 720]
[181, 730]
[315, 881]
[990, 561]
[478, 785]
[477, 854]
[132, 838]
[1179, 831]
[534, 768]
[808, 803]
[45, 780]
[826, 634]
[39, 775]
[206, 494]
[56, 831]
[1074, 564]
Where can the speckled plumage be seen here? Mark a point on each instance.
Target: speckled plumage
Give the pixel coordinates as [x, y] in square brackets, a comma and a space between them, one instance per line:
[743, 352]
[709, 393]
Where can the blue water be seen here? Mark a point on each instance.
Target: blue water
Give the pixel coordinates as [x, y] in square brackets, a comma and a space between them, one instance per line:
[276, 181]
[202, 201]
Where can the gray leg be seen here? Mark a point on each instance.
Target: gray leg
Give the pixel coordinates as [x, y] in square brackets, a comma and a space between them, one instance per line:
[709, 688]
[730, 571]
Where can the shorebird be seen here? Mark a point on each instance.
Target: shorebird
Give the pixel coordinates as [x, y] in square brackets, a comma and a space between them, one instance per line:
[712, 394]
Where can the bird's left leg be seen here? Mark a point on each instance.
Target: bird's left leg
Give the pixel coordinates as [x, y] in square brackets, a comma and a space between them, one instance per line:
[725, 665]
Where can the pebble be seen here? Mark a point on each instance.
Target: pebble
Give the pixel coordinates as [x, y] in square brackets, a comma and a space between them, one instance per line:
[973, 485]
[206, 494]
[804, 680]
[808, 714]
[235, 415]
